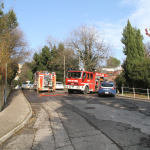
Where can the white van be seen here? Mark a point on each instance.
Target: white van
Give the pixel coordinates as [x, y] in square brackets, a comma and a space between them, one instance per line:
[27, 85]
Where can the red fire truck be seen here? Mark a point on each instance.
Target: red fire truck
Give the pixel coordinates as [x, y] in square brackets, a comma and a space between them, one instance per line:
[45, 81]
[84, 81]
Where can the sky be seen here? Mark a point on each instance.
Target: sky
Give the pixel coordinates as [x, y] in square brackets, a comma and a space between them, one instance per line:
[40, 19]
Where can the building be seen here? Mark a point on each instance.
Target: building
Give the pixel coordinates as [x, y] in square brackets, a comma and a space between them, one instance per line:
[19, 71]
[112, 72]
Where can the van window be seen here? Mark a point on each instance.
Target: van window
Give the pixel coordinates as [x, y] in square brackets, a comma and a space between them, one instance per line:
[25, 83]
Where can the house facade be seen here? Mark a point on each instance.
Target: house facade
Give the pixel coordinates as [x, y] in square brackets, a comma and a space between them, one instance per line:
[112, 72]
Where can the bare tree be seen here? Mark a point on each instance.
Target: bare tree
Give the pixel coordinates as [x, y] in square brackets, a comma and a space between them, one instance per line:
[89, 43]
[13, 45]
[147, 49]
[60, 52]
[13, 50]
[52, 42]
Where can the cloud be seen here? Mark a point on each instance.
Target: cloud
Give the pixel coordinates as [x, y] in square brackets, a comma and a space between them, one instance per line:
[139, 18]
[140, 15]
[113, 34]
[128, 2]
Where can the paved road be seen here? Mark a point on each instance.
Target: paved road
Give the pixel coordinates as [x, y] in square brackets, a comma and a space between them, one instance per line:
[80, 122]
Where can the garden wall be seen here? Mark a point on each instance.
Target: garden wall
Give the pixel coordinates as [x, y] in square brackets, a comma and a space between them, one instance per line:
[2, 89]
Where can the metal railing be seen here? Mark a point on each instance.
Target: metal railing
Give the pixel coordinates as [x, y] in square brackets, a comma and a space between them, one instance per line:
[135, 92]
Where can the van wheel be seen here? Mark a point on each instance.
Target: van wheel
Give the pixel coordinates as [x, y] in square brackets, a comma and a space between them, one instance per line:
[86, 90]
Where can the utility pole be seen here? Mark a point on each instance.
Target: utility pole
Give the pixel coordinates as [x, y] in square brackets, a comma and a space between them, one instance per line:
[64, 69]
[79, 56]
[5, 90]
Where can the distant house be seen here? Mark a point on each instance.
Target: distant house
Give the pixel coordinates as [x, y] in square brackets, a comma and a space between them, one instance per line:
[112, 72]
[19, 71]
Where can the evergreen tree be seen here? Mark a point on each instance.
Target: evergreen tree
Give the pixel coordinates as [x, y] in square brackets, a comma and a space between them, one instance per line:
[46, 56]
[42, 60]
[134, 50]
[133, 44]
[53, 60]
[139, 45]
[129, 40]
[141, 74]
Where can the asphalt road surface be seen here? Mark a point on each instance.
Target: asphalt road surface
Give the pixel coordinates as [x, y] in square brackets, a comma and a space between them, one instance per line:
[63, 121]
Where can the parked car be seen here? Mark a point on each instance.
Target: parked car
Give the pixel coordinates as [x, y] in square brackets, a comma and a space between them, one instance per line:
[27, 85]
[59, 85]
[107, 88]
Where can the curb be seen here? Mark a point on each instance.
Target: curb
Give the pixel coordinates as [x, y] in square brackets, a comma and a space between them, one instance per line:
[20, 126]
[135, 98]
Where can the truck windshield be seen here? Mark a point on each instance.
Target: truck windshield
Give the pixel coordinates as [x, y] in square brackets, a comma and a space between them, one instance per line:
[74, 74]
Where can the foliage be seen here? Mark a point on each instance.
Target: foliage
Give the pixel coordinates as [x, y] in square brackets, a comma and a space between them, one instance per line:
[112, 62]
[132, 39]
[134, 50]
[89, 43]
[53, 59]
[147, 50]
[139, 45]
[120, 81]
[135, 66]
[26, 74]
[41, 60]
[12, 44]
[138, 74]
[15, 83]
[141, 73]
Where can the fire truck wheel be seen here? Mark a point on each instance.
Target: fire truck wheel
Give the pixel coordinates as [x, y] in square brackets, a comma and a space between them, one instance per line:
[86, 90]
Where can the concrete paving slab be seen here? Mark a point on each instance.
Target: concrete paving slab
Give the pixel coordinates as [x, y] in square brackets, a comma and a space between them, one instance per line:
[15, 115]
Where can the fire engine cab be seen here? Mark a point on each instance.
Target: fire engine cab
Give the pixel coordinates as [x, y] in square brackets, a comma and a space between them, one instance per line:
[84, 81]
[45, 81]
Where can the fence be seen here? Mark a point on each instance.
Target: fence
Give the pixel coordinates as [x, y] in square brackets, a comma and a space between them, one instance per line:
[135, 92]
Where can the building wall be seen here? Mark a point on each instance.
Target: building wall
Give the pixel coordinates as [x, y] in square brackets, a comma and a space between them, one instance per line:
[112, 72]
[19, 71]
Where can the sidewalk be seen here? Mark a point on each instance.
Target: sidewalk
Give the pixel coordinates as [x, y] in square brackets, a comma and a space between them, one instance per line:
[15, 115]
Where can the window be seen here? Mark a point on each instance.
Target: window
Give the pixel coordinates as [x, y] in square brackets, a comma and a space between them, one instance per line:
[107, 85]
[91, 76]
[25, 83]
[74, 74]
[84, 75]
[88, 76]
